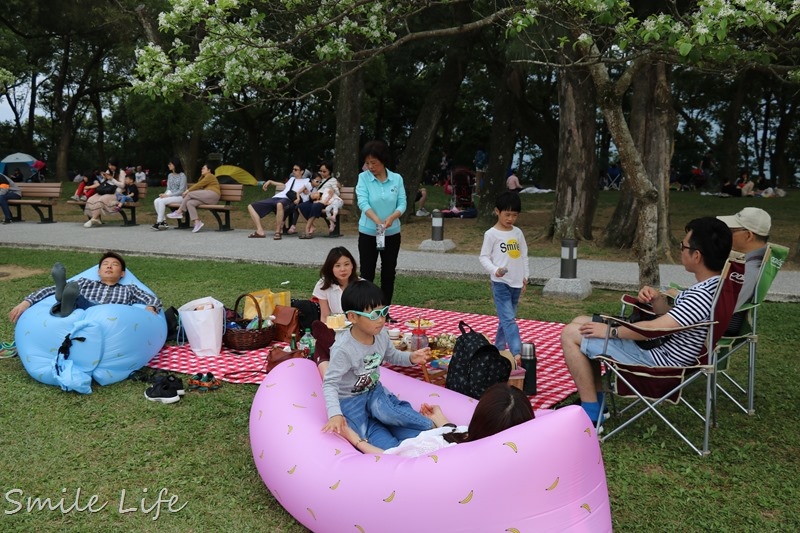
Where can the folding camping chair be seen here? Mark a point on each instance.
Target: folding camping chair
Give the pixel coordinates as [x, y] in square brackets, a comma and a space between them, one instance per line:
[652, 386]
[774, 256]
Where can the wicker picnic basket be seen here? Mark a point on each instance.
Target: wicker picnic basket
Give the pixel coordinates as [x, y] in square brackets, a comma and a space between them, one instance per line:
[248, 339]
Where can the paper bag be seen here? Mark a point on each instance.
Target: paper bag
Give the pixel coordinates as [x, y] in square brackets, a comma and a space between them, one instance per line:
[265, 300]
[282, 297]
[287, 321]
[203, 320]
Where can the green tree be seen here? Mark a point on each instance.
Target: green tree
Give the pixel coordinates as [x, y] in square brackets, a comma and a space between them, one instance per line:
[69, 60]
[627, 38]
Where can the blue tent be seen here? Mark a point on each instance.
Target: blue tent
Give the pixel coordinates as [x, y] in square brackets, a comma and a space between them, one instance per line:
[24, 162]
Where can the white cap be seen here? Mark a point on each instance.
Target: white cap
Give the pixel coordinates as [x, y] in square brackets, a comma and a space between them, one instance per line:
[750, 218]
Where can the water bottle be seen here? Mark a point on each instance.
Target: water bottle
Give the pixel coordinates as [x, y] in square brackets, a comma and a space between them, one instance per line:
[293, 342]
[308, 344]
[528, 357]
[380, 237]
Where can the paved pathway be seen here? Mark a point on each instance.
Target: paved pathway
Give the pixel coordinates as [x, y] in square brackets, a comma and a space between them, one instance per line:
[235, 246]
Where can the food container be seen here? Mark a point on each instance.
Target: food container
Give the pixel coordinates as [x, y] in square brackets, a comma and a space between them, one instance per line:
[418, 340]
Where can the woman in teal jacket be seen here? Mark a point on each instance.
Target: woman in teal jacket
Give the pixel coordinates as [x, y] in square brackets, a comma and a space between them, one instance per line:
[382, 200]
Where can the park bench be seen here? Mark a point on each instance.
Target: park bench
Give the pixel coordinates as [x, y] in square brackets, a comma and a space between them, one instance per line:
[128, 211]
[229, 193]
[348, 196]
[41, 197]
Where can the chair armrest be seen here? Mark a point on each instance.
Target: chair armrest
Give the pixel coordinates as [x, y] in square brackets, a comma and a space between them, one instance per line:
[651, 333]
[747, 306]
[632, 301]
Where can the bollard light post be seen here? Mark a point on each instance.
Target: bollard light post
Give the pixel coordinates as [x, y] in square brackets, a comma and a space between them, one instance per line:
[569, 258]
[437, 226]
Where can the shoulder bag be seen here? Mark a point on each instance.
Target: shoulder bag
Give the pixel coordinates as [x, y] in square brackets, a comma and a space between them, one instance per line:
[287, 321]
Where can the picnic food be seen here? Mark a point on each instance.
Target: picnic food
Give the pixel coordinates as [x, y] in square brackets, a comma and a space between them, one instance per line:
[445, 340]
[335, 321]
[441, 352]
[420, 323]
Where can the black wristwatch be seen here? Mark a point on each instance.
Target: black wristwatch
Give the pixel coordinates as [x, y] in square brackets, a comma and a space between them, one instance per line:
[615, 333]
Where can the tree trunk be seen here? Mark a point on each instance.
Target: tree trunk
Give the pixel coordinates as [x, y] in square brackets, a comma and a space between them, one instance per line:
[503, 137]
[444, 92]
[732, 130]
[538, 122]
[347, 159]
[188, 150]
[101, 130]
[781, 171]
[646, 196]
[31, 114]
[576, 183]
[62, 149]
[653, 123]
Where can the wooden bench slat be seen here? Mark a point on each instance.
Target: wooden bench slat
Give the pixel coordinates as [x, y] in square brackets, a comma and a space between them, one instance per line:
[41, 197]
[229, 192]
[127, 207]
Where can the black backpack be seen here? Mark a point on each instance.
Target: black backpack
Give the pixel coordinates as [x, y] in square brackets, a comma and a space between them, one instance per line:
[308, 312]
[476, 364]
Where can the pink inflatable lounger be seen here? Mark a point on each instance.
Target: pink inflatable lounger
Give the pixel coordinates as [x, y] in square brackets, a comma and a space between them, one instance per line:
[544, 475]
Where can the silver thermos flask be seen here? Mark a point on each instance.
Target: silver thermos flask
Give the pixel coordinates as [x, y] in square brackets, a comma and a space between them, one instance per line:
[528, 357]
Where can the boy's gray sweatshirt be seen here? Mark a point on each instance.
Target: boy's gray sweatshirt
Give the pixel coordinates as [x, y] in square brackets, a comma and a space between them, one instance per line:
[355, 367]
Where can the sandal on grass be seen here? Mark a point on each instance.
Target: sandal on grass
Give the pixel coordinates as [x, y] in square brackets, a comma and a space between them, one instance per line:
[206, 382]
[195, 382]
[8, 349]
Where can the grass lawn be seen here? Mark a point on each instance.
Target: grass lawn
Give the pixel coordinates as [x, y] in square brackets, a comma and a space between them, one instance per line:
[197, 450]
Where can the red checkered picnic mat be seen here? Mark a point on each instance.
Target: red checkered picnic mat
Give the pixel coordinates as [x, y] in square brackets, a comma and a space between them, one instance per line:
[554, 382]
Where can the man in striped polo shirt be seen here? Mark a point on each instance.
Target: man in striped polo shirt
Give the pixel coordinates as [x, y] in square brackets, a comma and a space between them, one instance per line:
[704, 250]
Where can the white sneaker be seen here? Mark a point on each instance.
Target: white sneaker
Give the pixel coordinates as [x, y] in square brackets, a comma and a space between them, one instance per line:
[197, 225]
[422, 212]
[175, 214]
[75, 197]
[88, 224]
[96, 222]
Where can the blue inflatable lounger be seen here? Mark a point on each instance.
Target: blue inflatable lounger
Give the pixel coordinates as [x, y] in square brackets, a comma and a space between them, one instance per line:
[105, 342]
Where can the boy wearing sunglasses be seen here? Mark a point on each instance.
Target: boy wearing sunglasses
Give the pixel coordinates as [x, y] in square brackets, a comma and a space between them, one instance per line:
[353, 393]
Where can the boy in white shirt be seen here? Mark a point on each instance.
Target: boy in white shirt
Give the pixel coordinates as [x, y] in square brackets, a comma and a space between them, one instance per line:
[504, 255]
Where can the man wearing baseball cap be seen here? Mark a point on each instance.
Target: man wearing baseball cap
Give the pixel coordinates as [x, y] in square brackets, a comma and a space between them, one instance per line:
[750, 228]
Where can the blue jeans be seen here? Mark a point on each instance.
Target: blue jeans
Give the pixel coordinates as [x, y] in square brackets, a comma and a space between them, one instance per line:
[382, 419]
[4, 198]
[506, 299]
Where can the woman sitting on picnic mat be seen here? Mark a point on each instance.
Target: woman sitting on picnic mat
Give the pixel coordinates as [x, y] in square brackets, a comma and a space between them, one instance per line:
[339, 270]
[501, 407]
[105, 200]
[205, 191]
